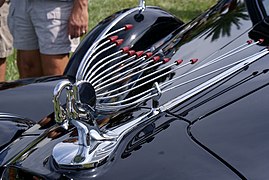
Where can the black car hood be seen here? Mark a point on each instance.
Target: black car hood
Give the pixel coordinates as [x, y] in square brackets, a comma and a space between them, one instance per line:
[230, 120]
[201, 138]
[159, 150]
[239, 138]
[29, 98]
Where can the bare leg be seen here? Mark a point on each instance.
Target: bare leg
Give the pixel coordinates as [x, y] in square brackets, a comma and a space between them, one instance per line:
[54, 64]
[29, 63]
[2, 69]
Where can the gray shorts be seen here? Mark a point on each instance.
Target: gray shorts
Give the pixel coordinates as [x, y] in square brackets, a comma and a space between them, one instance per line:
[41, 24]
[5, 36]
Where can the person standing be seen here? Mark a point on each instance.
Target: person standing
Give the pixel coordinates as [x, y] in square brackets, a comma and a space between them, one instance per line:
[45, 32]
[5, 39]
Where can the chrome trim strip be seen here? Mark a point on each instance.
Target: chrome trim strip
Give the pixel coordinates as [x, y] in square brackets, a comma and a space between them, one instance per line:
[81, 71]
[127, 76]
[169, 89]
[129, 62]
[74, 155]
[123, 73]
[211, 82]
[100, 66]
[9, 115]
[87, 74]
[140, 85]
[93, 145]
[213, 61]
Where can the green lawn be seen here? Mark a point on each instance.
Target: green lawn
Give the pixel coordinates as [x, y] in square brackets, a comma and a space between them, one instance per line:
[98, 10]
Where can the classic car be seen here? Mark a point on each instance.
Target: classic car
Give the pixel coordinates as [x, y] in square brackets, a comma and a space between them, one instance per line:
[146, 96]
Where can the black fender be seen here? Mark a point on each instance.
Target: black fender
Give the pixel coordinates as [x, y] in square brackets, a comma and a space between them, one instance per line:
[147, 28]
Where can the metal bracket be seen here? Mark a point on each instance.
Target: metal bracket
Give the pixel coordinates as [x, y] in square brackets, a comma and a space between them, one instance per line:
[141, 6]
[155, 99]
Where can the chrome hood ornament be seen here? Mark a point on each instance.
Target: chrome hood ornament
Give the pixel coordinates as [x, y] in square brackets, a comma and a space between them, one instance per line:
[81, 115]
[104, 85]
[92, 145]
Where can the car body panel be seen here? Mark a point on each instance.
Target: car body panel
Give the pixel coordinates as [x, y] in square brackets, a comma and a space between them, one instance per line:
[11, 128]
[149, 155]
[219, 132]
[243, 135]
[33, 98]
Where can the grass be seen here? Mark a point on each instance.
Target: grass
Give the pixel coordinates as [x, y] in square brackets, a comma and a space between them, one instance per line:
[12, 70]
[98, 10]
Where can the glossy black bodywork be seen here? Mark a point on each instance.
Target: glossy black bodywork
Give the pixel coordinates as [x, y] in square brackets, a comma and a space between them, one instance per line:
[33, 97]
[148, 28]
[221, 133]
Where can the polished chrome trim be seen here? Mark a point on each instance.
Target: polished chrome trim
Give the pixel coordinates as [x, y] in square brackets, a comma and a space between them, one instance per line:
[94, 145]
[149, 94]
[82, 70]
[86, 77]
[123, 73]
[129, 62]
[211, 62]
[100, 64]
[102, 96]
[87, 152]
[215, 60]
[152, 94]
[127, 76]
[209, 83]
[60, 114]
[4, 115]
